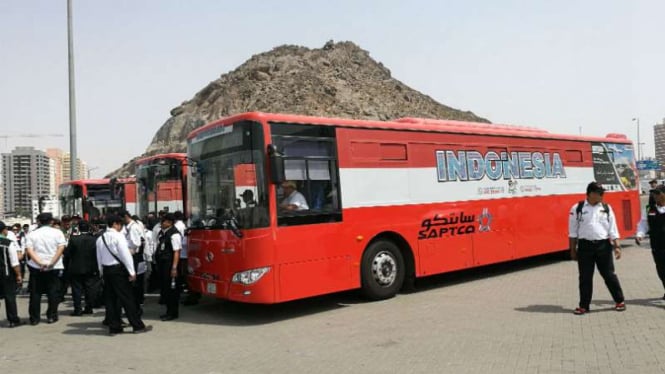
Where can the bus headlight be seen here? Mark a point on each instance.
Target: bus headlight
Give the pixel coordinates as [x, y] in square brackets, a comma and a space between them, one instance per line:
[249, 276]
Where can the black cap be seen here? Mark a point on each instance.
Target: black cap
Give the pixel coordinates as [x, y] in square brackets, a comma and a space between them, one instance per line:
[2, 226]
[168, 217]
[595, 187]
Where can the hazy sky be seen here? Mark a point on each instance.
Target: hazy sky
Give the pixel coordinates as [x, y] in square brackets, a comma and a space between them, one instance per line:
[557, 65]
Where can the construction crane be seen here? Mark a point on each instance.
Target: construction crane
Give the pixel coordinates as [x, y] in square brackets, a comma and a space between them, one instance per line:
[30, 136]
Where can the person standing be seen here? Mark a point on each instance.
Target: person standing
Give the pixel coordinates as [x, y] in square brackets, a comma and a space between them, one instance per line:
[593, 234]
[133, 232]
[45, 246]
[117, 267]
[81, 257]
[154, 281]
[10, 275]
[168, 257]
[17, 235]
[654, 224]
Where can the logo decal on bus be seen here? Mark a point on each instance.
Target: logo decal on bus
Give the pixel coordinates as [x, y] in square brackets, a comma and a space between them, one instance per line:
[473, 165]
[441, 226]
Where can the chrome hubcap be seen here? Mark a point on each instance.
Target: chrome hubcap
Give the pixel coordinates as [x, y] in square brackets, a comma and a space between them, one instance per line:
[384, 268]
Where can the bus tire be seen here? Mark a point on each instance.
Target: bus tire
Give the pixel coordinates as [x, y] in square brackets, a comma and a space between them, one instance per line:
[382, 270]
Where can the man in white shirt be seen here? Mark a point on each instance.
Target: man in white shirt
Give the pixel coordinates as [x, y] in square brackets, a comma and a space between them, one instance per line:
[293, 199]
[117, 267]
[44, 247]
[593, 233]
[10, 275]
[133, 232]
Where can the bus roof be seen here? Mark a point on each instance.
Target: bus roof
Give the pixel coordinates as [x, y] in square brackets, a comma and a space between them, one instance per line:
[80, 182]
[411, 124]
[174, 156]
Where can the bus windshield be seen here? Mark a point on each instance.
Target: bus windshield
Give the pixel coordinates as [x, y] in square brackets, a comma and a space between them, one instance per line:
[227, 183]
[101, 202]
[71, 199]
[160, 186]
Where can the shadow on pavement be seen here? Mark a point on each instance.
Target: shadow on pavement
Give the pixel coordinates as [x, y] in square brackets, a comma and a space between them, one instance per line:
[545, 309]
[86, 328]
[488, 271]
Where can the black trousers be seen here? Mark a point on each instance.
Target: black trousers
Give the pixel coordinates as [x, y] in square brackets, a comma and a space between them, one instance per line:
[659, 260]
[596, 254]
[84, 285]
[8, 286]
[44, 281]
[170, 295]
[118, 293]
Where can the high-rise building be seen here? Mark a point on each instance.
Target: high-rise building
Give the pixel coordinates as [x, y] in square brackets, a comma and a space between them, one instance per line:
[25, 176]
[659, 140]
[2, 199]
[56, 155]
[82, 168]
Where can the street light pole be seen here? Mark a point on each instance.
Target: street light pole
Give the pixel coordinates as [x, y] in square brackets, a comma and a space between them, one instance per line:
[639, 156]
[72, 100]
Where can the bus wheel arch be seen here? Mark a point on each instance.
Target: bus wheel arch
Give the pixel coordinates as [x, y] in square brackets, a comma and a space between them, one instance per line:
[387, 264]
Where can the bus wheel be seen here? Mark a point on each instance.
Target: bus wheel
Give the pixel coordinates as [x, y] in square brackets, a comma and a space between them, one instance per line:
[382, 270]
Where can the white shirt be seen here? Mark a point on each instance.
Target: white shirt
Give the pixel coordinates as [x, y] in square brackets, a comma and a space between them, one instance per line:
[181, 229]
[149, 249]
[11, 236]
[643, 225]
[594, 224]
[297, 199]
[155, 236]
[44, 243]
[117, 244]
[133, 233]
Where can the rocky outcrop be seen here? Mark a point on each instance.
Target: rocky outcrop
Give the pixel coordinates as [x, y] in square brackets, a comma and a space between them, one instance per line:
[338, 80]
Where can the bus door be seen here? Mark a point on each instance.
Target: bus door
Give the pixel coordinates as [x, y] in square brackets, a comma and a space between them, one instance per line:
[309, 248]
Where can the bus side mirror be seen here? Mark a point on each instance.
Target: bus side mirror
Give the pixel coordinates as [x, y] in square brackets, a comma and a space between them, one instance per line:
[277, 174]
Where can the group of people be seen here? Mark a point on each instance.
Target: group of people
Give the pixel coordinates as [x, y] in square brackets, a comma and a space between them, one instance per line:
[105, 263]
[594, 241]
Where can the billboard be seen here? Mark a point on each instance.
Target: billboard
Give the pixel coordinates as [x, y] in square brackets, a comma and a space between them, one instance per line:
[648, 165]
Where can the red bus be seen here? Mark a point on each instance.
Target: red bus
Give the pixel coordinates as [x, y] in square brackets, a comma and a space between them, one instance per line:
[96, 198]
[385, 201]
[161, 183]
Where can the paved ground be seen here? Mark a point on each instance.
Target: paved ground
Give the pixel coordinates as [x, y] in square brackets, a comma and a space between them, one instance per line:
[514, 318]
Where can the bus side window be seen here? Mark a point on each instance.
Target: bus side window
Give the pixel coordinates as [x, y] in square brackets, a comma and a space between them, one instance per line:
[310, 162]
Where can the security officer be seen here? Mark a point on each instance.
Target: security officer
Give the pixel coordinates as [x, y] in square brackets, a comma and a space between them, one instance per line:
[10, 275]
[44, 246]
[653, 184]
[654, 224]
[168, 256]
[117, 267]
[81, 259]
[593, 233]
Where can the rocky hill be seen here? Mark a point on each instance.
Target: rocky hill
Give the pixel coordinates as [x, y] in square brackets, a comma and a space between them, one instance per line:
[338, 80]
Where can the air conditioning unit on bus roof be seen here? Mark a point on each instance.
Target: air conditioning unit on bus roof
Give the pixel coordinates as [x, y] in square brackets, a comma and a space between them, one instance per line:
[475, 125]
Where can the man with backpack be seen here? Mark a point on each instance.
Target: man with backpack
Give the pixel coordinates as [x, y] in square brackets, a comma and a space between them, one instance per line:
[593, 235]
[653, 223]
